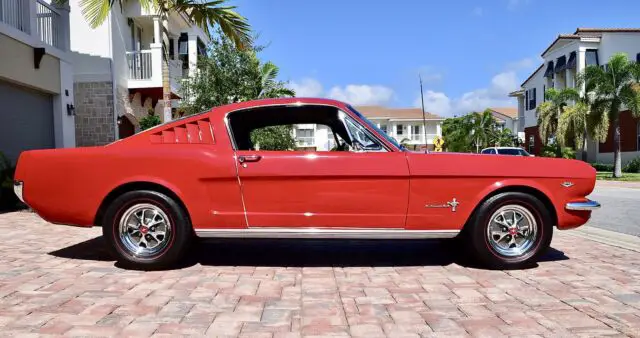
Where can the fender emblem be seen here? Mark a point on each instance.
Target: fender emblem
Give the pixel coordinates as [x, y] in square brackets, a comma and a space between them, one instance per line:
[567, 184]
[451, 204]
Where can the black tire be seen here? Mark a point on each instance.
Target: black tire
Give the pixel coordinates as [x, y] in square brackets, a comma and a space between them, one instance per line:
[480, 244]
[175, 243]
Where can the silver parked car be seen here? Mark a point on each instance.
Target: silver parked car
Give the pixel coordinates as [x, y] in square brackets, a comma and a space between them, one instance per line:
[505, 151]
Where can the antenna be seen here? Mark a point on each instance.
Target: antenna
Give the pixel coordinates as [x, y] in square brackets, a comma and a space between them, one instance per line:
[424, 118]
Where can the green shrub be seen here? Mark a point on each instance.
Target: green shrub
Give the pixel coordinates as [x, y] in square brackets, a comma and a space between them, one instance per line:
[149, 121]
[550, 150]
[602, 166]
[632, 167]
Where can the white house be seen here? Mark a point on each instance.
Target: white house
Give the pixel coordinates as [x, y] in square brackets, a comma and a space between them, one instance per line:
[507, 118]
[118, 68]
[36, 84]
[403, 124]
[565, 57]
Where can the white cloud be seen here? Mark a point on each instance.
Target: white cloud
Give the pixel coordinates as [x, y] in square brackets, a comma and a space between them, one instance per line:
[356, 94]
[362, 94]
[495, 95]
[307, 87]
[477, 11]
[524, 64]
[435, 102]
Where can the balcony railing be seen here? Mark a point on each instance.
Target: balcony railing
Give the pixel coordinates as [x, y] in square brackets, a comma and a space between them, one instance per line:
[48, 23]
[15, 13]
[305, 141]
[140, 65]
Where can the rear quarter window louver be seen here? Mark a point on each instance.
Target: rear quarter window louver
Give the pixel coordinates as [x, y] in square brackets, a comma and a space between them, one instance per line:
[196, 132]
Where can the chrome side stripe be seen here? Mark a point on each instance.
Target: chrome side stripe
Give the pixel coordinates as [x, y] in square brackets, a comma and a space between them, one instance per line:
[325, 233]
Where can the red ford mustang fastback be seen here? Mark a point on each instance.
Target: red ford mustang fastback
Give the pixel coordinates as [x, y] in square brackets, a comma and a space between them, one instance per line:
[202, 176]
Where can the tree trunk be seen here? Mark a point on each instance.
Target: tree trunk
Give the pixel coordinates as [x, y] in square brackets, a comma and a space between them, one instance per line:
[617, 159]
[166, 81]
[558, 145]
[583, 146]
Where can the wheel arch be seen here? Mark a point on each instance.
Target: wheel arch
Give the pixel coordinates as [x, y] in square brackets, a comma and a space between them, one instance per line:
[527, 189]
[134, 186]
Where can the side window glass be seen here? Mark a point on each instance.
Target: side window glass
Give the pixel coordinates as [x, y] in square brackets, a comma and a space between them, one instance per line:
[361, 139]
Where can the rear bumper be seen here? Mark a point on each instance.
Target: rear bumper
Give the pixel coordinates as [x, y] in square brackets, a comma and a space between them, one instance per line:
[587, 205]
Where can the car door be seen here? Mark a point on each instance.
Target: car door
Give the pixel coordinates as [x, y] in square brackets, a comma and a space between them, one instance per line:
[320, 189]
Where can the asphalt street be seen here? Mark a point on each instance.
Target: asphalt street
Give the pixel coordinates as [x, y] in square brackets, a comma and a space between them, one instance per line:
[620, 209]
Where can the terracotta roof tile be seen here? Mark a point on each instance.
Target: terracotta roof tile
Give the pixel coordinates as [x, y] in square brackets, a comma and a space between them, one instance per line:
[395, 113]
[511, 112]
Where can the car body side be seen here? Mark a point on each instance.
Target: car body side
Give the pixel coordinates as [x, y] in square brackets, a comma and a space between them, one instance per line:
[71, 186]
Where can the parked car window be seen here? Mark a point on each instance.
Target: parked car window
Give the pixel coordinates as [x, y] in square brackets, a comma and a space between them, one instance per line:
[313, 128]
[488, 151]
[508, 151]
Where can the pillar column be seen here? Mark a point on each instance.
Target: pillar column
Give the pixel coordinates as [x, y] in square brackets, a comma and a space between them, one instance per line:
[193, 54]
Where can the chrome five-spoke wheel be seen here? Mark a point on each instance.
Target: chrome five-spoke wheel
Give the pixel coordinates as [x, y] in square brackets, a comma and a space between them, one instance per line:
[512, 230]
[144, 230]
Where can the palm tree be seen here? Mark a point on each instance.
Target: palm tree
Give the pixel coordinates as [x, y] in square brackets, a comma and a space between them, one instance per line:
[615, 86]
[204, 14]
[482, 129]
[269, 86]
[549, 113]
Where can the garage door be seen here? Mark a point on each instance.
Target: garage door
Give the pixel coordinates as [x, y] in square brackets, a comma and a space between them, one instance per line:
[26, 120]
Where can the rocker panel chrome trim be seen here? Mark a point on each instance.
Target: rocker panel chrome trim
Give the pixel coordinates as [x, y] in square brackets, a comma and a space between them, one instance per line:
[325, 233]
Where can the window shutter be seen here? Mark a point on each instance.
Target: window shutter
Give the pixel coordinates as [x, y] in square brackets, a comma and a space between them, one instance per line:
[526, 99]
[534, 98]
[638, 57]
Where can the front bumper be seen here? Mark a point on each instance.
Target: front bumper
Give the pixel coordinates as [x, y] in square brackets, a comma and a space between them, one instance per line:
[587, 205]
[17, 189]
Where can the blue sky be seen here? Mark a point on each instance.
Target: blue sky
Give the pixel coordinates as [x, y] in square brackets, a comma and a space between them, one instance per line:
[470, 53]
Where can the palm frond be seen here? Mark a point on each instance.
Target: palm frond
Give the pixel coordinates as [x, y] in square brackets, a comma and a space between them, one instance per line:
[547, 120]
[630, 96]
[212, 13]
[96, 12]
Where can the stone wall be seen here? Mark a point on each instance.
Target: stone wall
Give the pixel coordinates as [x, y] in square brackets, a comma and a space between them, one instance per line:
[95, 123]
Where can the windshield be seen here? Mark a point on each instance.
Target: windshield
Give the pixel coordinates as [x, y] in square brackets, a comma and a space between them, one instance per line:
[378, 130]
[512, 151]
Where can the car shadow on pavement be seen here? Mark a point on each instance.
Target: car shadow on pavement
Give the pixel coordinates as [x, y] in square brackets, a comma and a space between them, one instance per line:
[308, 253]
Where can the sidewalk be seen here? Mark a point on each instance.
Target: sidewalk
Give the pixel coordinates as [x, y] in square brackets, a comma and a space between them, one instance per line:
[619, 184]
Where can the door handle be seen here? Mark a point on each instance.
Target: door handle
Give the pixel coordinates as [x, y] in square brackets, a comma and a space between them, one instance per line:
[249, 158]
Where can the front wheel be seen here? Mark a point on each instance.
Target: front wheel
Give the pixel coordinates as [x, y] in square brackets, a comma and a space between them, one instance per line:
[510, 230]
[146, 229]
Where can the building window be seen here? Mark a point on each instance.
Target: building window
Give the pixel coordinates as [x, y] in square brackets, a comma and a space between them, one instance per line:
[383, 127]
[526, 99]
[414, 131]
[544, 93]
[531, 98]
[305, 137]
[399, 129]
[638, 57]
[532, 143]
[591, 57]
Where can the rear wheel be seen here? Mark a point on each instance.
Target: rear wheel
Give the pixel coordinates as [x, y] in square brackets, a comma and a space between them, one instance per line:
[510, 230]
[146, 229]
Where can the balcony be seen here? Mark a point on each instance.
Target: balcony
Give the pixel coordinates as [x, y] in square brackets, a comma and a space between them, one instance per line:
[145, 70]
[419, 138]
[305, 141]
[37, 22]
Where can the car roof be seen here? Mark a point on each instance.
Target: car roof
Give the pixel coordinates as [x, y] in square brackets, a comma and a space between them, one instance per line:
[223, 110]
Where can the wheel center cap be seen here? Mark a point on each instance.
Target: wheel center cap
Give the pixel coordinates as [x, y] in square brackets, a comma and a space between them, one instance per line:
[144, 229]
[513, 231]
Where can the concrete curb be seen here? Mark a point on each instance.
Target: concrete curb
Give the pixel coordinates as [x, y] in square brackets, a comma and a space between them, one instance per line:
[608, 237]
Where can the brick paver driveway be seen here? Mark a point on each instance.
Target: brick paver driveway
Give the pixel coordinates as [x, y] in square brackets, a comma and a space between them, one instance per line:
[58, 280]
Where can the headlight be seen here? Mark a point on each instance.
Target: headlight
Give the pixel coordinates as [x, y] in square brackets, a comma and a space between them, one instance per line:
[17, 189]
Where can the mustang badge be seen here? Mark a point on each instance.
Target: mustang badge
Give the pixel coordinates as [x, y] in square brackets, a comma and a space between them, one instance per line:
[451, 204]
